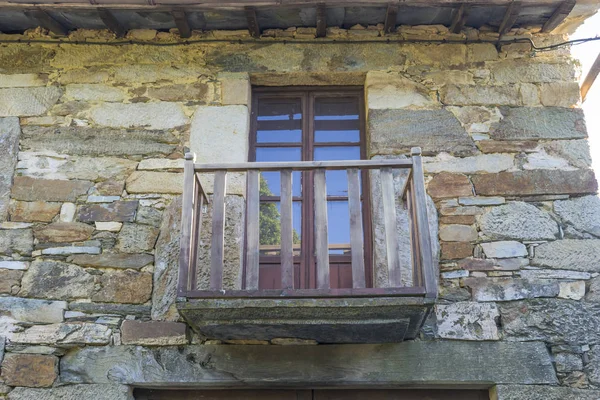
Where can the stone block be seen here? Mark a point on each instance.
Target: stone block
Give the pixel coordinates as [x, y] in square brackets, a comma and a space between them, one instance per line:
[110, 188]
[25, 102]
[572, 290]
[108, 260]
[481, 201]
[196, 92]
[21, 80]
[525, 123]
[505, 249]
[10, 281]
[508, 289]
[32, 310]
[446, 185]
[485, 163]
[16, 241]
[74, 392]
[29, 370]
[161, 163]
[519, 221]
[477, 95]
[513, 146]
[16, 265]
[560, 94]
[149, 216]
[551, 321]
[458, 233]
[397, 131]
[458, 219]
[108, 226]
[30, 189]
[64, 334]
[576, 152]
[155, 182]
[235, 89]
[390, 90]
[102, 199]
[535, 182]
[124, 287]
[479, 52]
[9, 147]
[123, 310]
[153, 333]
[34, 211]
[583, 213]
[489, 264]
[67, 212]
[515, 71]
[134, 238]
[60, 232]
[220, 134]
[467, 321]
[56, 280]
[98, 141]
[553, 274]
[160, 115]
[570, 254]
[94, 92]
[118, 211]
[475, 119]
[533, 392]
[68, 250]
[593, 294]
[452, 251]
[542, 160]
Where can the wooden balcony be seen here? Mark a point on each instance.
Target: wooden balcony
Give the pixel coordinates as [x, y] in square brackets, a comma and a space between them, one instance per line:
[365, 311]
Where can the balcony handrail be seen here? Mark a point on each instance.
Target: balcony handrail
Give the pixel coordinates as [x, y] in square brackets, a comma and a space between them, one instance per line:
[194, 198]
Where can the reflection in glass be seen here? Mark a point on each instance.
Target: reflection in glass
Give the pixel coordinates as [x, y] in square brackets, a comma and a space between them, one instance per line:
[336, 120]
[279, 121]
[338, 231]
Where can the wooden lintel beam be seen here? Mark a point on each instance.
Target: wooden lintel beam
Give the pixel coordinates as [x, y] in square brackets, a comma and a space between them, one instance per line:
[391, 15]
[510, 17]
[111, 22]
[590, 78]
[321, 20]
[559, 15]
[252, 22]
[46, 21]
[460, 18]
[182, 24]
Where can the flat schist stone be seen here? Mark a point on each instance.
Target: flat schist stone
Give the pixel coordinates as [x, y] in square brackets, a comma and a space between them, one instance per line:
[524, 123]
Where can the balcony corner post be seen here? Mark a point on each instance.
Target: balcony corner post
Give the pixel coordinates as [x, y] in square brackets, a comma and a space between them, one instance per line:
[186, 264]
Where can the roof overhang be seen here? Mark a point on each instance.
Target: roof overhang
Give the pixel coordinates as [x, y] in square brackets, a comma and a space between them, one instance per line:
[561, 16]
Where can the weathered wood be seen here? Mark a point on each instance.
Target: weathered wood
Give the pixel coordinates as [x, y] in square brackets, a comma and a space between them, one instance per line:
[411, 292]
[111, 22]
[252, 229]
[356, 229]
[155, 394]
[321, 240]
[590, 78]
[459, 18]
[559, 15]
[510, 17]
[287, 234]
[253, 27]
[46, 21]
[391, 16]
[181, 22]
[218, 231]
[425, 363]
[422, 224]
[198, 204]
[186, 224]
[303, 165]
[390, 226]
[321, 20]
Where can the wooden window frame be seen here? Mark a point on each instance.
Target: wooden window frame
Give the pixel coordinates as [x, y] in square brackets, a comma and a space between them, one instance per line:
[307, 94]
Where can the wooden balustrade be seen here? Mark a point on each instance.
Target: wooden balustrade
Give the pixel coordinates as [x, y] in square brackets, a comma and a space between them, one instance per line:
[194, 198]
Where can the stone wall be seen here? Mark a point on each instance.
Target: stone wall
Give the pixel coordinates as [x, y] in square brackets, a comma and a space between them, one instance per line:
[92, 140]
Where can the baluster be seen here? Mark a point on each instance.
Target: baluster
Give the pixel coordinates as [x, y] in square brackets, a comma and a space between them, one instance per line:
[218, 230]
[186, 263]
[356, 229]
[390, 226]
[424, 239]
[321, 240]
[287, 235]
[252, 230]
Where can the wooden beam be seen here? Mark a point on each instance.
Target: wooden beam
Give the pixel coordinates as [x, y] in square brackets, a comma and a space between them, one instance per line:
[390, 18]
[321, 20]
[111, 22]
[459, 19]
[252, 22]
[46, 21]
[561, 12]
[510, 17]
[590, 78]
[182, 24]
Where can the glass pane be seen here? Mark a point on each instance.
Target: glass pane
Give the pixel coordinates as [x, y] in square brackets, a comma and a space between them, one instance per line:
[338, 230]
[270, 227]
[279, 121]
[337, 153]
[337, 120]
[270, 182]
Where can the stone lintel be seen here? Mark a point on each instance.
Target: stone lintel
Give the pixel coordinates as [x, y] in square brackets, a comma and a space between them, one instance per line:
[415, 364]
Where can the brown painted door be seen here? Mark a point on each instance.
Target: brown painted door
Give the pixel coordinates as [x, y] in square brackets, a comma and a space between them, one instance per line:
[438, 394]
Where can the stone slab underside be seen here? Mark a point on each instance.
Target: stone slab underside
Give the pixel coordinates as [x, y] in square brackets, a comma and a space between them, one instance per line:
[384, 365]
[349, 320]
